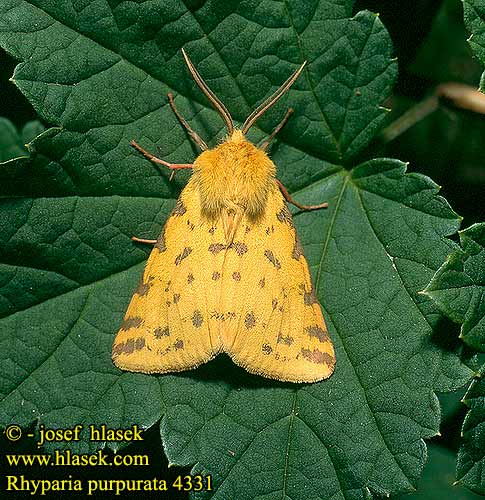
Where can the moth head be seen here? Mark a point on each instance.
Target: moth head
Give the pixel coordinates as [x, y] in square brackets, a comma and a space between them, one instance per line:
[222, 110]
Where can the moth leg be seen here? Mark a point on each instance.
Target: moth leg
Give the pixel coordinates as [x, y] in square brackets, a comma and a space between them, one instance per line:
[202, 145]
[143, 240]
[159, 161]
[289, 199]
[265, 144]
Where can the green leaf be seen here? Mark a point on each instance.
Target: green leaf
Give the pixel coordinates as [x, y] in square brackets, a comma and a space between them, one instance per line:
[31, 130]
[458, 288]
[438, 481]
[12, 144]
[68, 266]
[474, 14]
[471, 457]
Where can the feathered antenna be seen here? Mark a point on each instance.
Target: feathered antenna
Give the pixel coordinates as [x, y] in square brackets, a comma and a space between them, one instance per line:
[220, 108]
[262, 108]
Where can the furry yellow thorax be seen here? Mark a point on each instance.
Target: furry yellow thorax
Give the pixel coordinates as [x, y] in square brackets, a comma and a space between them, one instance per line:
[234, 176]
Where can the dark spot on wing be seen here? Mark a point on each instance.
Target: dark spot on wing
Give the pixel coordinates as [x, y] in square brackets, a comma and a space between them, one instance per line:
[197, 319]
[161, 332]
[284, 216]
[179, 208]
[142, 288]
[185, 253]
[236, 276]
[212, 230]
[133, 322]
[223, 316]
[129, 346]
[270, 256]
[250, 320]
[287, 340]
[316, 331]
[217, 315]
[240, 247]
[190, 278]
[139, 343]
[179, 344]
[117, 349]
[176, 297]
[216, 275]
[317, 357]
[160, 244]
[297, 249]
[262, 283]
[215, 248]
[274, 303]
[266, 349]
[310, 297]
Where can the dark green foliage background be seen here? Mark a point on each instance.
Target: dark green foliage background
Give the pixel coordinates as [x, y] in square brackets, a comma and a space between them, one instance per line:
[447, 146]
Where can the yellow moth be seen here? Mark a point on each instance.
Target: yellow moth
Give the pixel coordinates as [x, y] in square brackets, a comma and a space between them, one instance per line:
[228, 273]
